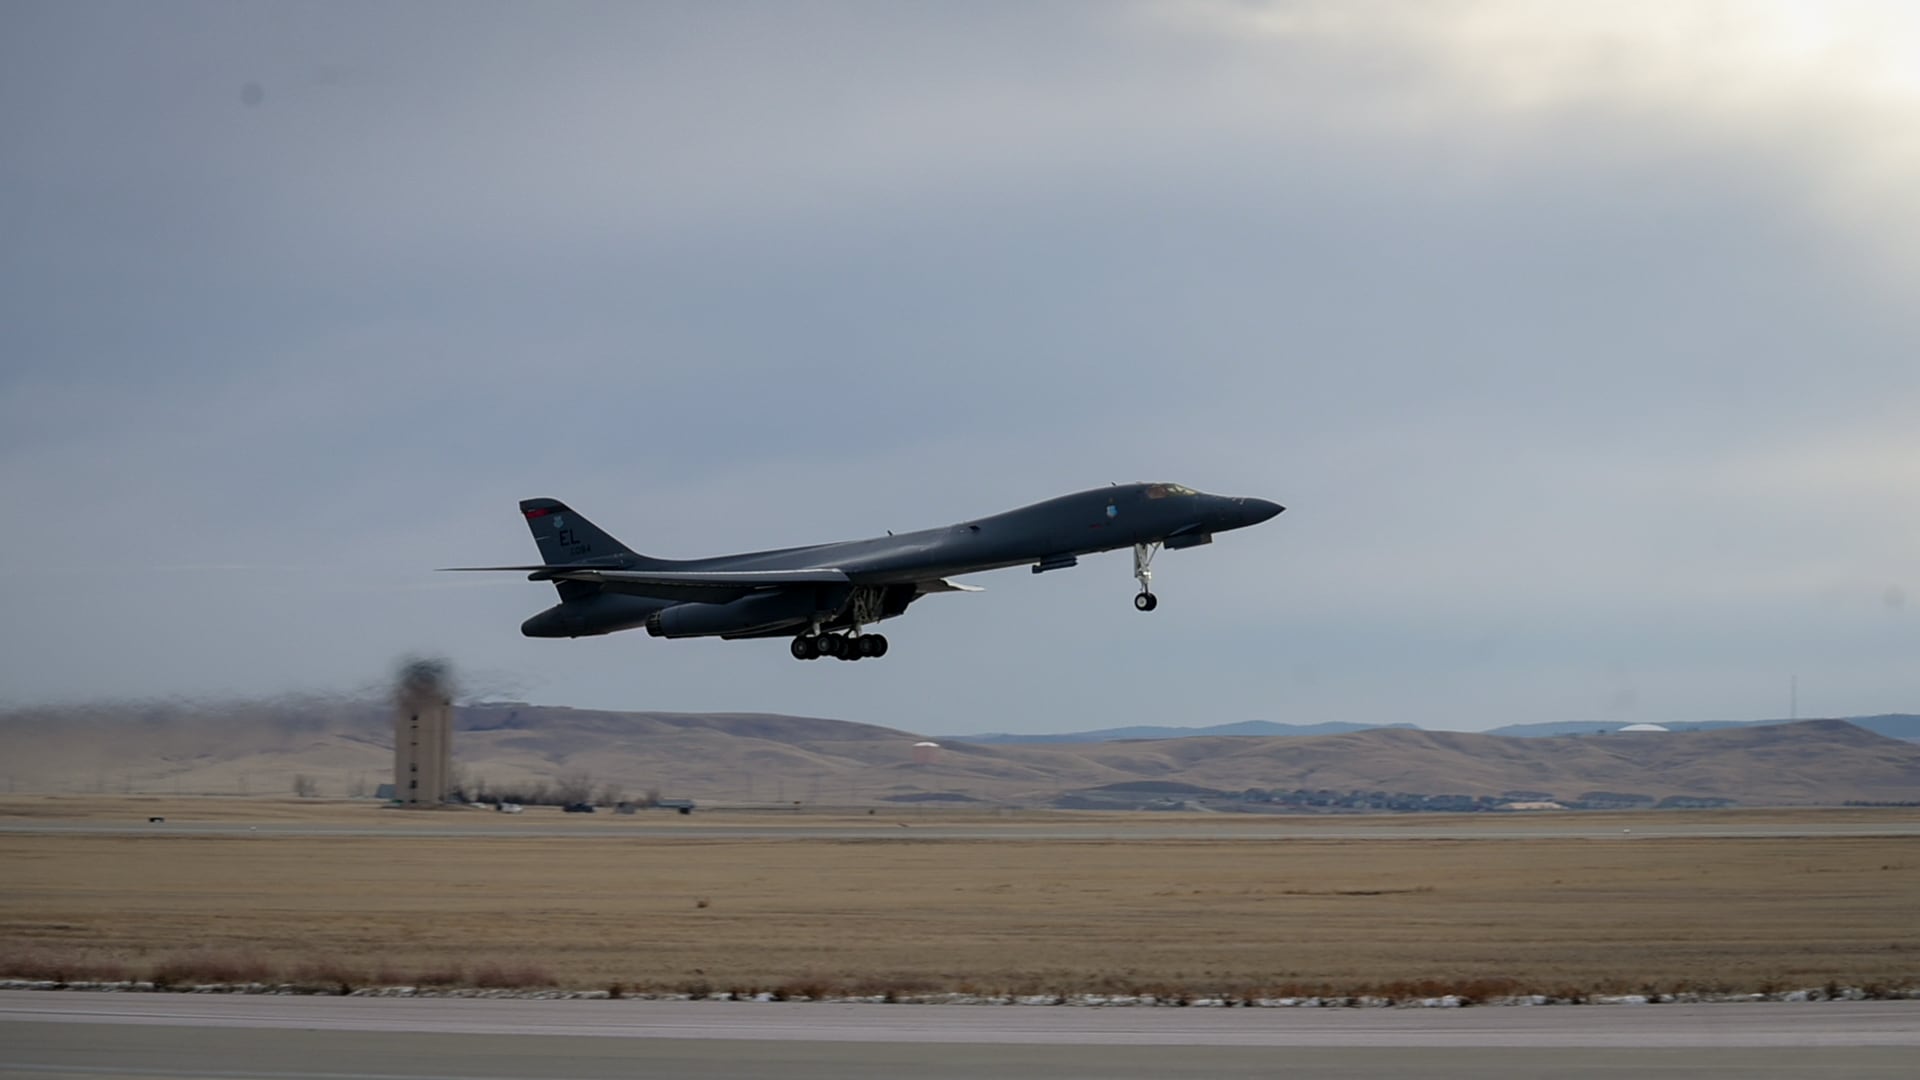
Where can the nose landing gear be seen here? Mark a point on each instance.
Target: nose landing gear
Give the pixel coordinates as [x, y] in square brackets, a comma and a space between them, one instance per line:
[1143, 572]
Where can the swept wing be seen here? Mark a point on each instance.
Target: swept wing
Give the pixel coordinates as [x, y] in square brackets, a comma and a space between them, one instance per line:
[700, 586]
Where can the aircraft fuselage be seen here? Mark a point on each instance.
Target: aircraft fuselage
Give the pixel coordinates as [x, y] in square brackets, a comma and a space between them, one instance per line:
[816, 589]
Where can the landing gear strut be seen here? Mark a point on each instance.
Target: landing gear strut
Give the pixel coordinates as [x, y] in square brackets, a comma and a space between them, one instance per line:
[1143, 572]
[865, 607]
[840, 646]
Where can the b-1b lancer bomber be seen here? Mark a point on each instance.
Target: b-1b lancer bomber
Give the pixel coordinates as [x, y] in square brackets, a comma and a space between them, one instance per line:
[827, 595]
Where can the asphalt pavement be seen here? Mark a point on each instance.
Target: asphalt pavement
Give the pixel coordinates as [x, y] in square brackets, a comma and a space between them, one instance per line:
[108, 1035]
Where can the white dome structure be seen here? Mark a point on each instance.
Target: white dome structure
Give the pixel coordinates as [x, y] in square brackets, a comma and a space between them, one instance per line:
[1643, 727]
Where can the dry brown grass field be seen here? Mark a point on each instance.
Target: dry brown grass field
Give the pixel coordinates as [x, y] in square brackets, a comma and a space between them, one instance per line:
[692, 913]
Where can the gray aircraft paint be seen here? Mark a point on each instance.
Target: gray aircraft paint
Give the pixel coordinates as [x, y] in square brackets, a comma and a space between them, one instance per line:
[607, 587]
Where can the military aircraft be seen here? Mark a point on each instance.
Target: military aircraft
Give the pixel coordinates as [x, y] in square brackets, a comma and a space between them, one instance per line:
[827, 595]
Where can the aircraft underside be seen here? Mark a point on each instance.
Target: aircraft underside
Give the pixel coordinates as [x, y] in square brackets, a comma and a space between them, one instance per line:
[843, 636]
[838, 632]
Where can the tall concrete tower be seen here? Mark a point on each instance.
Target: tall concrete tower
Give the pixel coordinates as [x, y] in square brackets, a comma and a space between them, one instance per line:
[422, 735]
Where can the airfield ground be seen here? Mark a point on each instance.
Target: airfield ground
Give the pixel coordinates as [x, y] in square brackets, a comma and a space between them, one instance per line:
[1736, 901]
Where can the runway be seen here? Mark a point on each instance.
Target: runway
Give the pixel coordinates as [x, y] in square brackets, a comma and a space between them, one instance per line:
[68, 1035]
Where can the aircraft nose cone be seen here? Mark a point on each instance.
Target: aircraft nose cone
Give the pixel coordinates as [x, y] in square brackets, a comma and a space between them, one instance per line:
[1259, 510]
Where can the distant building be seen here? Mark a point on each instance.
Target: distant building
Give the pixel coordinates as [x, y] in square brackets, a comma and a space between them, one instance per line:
[422, 736]
[1642, 727]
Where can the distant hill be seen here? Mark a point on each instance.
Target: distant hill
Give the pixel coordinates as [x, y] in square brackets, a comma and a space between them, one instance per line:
[259, 747]
[345, 748]
[1892, 725]
[1821, 761]
[1245, 727]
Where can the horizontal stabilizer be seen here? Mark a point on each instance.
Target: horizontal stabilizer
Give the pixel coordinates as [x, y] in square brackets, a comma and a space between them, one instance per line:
[723, 579]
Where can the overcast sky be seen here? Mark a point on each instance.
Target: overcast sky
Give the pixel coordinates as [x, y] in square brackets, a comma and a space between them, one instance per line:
[1581, 342]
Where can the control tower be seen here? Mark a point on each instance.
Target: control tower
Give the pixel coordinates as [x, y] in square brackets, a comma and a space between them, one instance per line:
[422, 735]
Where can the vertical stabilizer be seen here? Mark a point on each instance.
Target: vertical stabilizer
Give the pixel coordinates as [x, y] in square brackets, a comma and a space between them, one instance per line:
[567, 537]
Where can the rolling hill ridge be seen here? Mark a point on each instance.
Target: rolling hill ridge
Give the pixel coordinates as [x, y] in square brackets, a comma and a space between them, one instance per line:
[345, 747]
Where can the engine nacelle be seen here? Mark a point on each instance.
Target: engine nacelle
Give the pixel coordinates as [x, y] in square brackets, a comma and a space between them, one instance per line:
[603, 613]
[761, 613]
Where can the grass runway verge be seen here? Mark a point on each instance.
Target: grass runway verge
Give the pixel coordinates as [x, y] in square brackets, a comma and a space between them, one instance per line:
[800, 916]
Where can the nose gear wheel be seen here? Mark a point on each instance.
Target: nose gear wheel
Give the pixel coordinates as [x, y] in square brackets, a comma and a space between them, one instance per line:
[1143, 573]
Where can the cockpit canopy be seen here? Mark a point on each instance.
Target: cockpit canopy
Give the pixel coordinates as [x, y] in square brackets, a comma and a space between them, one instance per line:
[1163, 491]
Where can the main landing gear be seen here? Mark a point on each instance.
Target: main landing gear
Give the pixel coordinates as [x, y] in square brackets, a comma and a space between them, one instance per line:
[840, 646]
[1143, 572]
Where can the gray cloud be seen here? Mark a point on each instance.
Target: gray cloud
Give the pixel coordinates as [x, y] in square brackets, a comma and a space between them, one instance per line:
[1589, 392]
